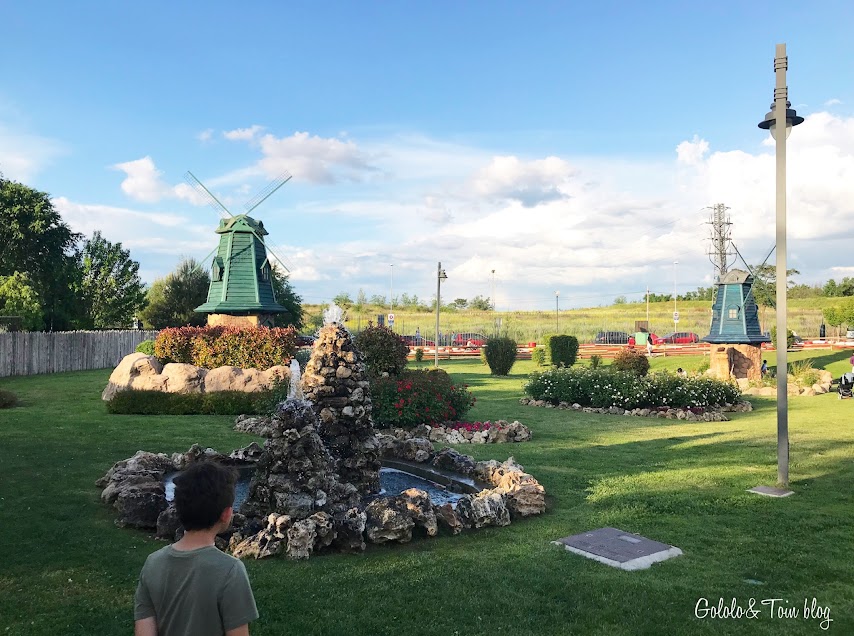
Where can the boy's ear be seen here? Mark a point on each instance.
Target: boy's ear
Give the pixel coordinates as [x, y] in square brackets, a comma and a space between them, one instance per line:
[226, 515]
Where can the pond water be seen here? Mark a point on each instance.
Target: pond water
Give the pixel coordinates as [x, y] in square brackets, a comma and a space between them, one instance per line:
[392, 482]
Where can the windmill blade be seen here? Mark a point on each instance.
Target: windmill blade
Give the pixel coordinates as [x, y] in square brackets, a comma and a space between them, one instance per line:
[264, 194]
[202, 263]
[267, 247]
[200, 188]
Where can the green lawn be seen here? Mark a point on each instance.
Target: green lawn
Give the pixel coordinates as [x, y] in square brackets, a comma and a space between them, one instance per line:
[66, 569]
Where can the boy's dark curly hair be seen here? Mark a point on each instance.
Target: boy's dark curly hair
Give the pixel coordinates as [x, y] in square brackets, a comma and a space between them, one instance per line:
[202, 492]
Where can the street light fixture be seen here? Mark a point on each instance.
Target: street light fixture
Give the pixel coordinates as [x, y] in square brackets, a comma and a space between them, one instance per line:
[781, 116]
[440, 276]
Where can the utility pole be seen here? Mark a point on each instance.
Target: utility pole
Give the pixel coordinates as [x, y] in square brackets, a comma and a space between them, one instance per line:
[557, 311]
[720, 236]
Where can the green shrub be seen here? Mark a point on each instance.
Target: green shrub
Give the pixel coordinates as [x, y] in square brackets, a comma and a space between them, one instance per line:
[563, 350]
[595, 361]
[384, 350]
[631, 360]
[538, 356]
[146, 347]
[605, 387]
[790, 337]
[500, 354]
[211, 347]
[419, 397]
[7, 399]
[216, 403]
[419, 355]
[804, 373]
[704, 366]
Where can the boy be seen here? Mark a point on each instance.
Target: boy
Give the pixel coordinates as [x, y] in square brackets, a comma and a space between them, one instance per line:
[191, 587]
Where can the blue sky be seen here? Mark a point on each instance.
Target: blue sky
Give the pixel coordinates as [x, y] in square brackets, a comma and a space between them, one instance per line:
[568, 146]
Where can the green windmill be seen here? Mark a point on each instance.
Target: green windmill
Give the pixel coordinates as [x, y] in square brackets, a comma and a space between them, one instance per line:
[241, 289]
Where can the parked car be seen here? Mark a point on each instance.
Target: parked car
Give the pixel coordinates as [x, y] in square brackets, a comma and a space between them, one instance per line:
[611, 337]
[468, 339]
[681, 337]
[305, 341]
[418, 341]
[653, 339]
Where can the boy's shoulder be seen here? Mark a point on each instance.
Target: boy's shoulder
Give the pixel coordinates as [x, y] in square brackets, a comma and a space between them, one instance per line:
[209, 555]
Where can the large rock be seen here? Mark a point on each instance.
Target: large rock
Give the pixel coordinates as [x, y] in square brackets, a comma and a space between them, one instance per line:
[524, 495]
[486, 508]
[270, 541]
[308, 535]
[449, 459]
[388, 519]
[421, 510]
[225, 379]
[168, 524]
[135, 371]
[184, 378]
[140, 505]
[448, 517]
[350, 530]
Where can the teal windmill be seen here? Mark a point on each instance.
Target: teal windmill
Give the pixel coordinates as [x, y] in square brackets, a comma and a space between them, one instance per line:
[241, 290]
[735, 316]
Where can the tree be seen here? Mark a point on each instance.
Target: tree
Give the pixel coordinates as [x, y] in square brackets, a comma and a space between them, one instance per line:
[460, 303]
[379, 301]
[480, 303]
[765, 284]
[343, 300]
[287, 298]
[110, 289]
[37, 242]
[19, 298]
[172, 300]
[620, 300]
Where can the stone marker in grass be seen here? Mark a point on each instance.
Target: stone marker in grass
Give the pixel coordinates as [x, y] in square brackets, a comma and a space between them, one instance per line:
[618, 549]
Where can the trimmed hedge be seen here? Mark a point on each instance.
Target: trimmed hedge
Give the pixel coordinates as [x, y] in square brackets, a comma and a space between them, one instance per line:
[606, 387]
[631, 360]
[384, 350]
[538, 356]
[7, 399]
[212, 347]
[424, 396]
[562, 350]
[500, 355]
[134, 402]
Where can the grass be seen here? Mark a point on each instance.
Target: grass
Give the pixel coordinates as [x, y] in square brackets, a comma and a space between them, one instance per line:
[804, 317]
[66, 569]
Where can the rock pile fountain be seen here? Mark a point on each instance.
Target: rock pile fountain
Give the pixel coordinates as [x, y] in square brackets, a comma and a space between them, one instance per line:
[316, 483]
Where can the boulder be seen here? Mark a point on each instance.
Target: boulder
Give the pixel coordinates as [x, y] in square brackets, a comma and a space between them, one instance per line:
[448, 517]
[254, 424]
[349, 530]
[184, 378]
[256, 381]
[168, 524]
[449, 459]
[269, 541]
[135, 371]
[250, 453]
[225, 379]
[388, 519]
[278, 371]
[486, 508]
[421, 510]
[140, 505]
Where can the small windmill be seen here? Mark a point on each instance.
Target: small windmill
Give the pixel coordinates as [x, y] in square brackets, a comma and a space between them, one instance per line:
[241, 289]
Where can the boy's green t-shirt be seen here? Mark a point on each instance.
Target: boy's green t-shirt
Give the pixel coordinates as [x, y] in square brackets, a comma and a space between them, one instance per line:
[194, 592]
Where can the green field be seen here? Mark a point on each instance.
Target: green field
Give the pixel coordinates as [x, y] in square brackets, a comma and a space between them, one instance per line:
[67, 570]
[804, 318]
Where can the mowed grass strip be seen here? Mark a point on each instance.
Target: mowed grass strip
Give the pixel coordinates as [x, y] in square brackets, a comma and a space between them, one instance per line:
[66, 569]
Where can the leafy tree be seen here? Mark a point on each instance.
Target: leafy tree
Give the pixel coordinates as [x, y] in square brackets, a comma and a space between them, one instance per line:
[844, 288]
[110, 289]
[765, 284]
[343, 300]
[287, 298]
[480, 303]
[36, 241]
[660, 298]
[18, 297]
[379, 301]
[172, 300]
[460, 303]
[620, 300]
[361, 300]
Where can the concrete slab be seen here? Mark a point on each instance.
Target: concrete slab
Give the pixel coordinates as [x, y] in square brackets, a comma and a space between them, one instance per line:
[618, 548]
[769, 491]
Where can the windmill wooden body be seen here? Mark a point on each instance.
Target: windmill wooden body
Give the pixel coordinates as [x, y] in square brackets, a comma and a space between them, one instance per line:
[241, 291]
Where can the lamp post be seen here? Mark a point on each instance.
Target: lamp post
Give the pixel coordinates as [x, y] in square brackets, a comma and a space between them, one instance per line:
[781, 117]
[557, 312]
[391, 291]
[493, 290]
[440, 276]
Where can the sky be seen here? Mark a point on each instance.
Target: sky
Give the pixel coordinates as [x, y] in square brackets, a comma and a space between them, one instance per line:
[531, 148]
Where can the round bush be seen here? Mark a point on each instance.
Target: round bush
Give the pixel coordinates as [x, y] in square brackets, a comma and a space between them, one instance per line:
[146, 347]
[538, 356]
[7, 399]
[631, 360]
[384, 350]
[500, 355]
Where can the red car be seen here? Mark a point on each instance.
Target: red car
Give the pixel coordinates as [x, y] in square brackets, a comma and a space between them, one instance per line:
[418, 341]
[468, 339]
[655, 340]
[681, 337]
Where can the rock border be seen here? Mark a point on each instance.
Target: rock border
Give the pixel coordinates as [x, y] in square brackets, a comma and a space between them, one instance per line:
[662, 412]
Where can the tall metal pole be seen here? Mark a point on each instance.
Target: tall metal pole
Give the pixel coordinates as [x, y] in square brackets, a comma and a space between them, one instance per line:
[675, 310]
[780, 106]
[438, 304]
[557, 312]
[493, 290]
[647, 307]
[391, 290]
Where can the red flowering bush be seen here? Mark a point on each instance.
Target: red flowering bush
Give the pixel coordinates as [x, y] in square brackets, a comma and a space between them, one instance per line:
[474, 427]
[211, 347]
[418, 397]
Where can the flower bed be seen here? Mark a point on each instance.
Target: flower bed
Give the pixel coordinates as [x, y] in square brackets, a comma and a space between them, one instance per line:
[691, 414]
[418, 397]
[605, 388]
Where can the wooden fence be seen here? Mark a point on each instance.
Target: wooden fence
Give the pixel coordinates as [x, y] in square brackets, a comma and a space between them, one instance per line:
[31, 353]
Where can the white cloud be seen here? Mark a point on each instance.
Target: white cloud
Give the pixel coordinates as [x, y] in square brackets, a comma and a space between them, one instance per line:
[243, 134]
[143, 181]
[312, 158]
[833, 102]
[22, 155]
[528, 182]
[206, 135]
[692, 152]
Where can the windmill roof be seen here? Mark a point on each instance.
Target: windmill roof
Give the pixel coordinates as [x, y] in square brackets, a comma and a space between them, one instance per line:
[241, 223]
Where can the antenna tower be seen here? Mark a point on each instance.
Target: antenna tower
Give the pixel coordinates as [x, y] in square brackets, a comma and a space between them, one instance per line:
[720, 253]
